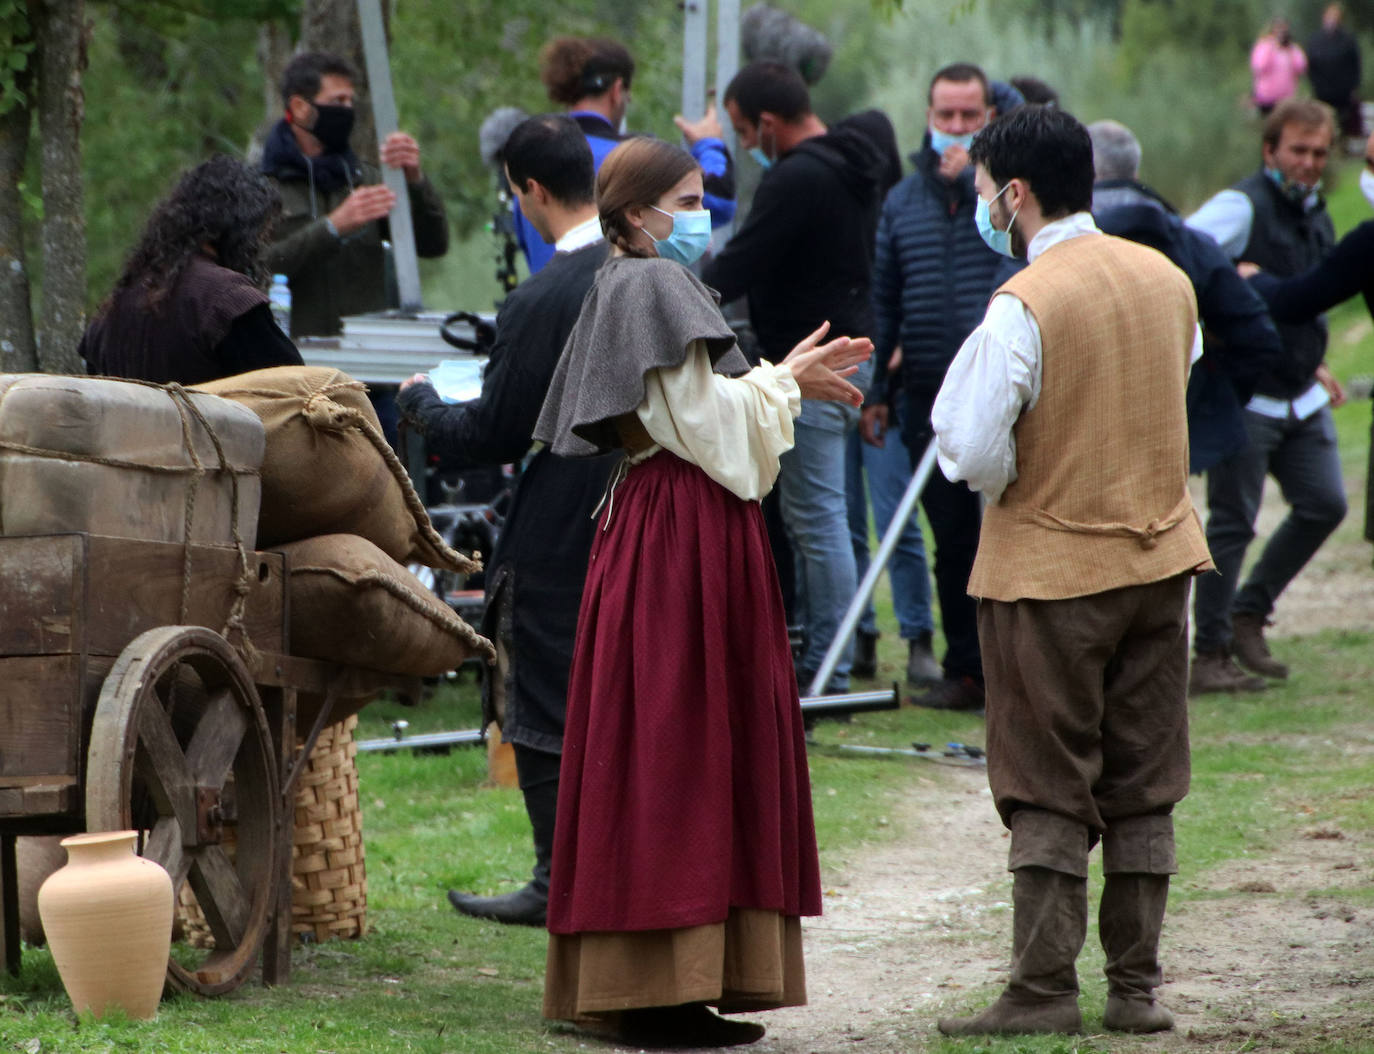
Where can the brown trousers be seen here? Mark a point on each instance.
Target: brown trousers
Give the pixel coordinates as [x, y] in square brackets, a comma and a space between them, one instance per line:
[1087, 708]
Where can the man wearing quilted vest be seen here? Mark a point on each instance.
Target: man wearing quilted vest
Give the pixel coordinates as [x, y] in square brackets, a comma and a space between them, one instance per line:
[1065, 407]
[1275, 218]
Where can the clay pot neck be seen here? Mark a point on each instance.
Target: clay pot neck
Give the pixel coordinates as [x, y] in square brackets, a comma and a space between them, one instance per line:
[99, 847]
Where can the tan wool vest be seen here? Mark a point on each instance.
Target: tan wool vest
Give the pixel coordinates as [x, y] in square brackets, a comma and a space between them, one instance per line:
[1101, 496]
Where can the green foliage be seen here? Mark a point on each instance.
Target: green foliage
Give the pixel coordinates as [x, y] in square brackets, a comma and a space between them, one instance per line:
[1222, 29]
[16, 45]
[156, 104]
[453, 64]
[174, 17]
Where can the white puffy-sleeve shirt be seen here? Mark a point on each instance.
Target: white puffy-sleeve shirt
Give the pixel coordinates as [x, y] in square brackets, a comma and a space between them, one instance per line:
[733, 428]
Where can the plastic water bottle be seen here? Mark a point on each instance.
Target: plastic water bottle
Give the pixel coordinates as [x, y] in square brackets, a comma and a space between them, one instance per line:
[279, 298]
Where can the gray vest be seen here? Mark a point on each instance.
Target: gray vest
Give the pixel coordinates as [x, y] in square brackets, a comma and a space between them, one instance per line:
[1286, 240]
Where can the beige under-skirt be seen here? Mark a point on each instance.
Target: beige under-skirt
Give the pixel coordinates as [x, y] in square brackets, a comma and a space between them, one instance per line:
[751, 961]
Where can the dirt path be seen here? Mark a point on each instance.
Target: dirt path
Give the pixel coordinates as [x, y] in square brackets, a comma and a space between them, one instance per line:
[921, 927]
[1274, 962]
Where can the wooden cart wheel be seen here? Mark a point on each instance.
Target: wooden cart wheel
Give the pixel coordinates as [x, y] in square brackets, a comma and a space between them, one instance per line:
[180, 748]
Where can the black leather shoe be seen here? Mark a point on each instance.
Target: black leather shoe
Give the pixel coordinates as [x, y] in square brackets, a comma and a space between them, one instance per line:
[959, 693]
[527, 906]
[684, 1027]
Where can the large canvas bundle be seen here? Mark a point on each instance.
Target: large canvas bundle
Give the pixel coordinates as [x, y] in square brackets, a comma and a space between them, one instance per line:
[352, 603]
[329, 470]
[125, 459]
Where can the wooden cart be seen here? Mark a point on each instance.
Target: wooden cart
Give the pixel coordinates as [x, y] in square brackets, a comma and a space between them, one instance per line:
[126, 707]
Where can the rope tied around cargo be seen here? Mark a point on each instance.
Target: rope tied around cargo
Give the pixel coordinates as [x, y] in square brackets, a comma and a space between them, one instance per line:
[440, 615]
[187, 409]
[323, 412]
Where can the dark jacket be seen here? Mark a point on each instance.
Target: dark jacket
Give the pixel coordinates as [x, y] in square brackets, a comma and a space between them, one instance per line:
[333, 276]
[932, 275]
[804, 253]
[540, 561]
[1348, 269]
[1239, 339]
[214, 323]
[1333, 66]
[1286, 239]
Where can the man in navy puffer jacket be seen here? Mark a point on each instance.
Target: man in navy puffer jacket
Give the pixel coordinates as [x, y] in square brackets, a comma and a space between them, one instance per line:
[931, 283]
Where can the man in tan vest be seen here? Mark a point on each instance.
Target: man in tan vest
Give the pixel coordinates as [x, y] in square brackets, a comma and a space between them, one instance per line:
[1065, 407]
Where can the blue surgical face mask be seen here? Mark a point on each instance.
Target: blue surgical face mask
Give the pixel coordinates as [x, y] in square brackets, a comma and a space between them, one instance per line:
[690, 237]
[997, 241]
[942, 141]
[759, 154]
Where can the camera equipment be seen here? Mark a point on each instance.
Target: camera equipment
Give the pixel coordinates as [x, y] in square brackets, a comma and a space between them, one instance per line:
[767, 32]
[491, 142]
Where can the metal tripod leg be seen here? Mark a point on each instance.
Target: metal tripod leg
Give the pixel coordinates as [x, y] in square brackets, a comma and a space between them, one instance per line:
[904, 512]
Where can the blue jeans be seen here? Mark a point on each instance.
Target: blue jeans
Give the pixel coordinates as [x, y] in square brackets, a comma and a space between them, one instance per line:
[811, 492]
[888, 471]
[1302, 456]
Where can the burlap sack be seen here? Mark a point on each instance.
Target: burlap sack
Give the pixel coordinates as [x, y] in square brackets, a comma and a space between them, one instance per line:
[126, 459]
[351, 603]
[329, 470]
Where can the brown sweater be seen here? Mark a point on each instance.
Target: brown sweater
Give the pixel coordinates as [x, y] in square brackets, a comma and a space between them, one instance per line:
[1101, 496]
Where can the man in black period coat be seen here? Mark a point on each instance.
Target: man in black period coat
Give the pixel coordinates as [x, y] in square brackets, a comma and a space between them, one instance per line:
[535, 576]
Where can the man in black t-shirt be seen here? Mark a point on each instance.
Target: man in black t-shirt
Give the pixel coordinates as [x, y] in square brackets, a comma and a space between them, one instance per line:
[803, 256]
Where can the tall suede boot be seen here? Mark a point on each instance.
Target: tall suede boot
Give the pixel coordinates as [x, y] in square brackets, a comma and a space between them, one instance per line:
[1130, 918]
[1138, 857]
[528, 905]
[1049, 922]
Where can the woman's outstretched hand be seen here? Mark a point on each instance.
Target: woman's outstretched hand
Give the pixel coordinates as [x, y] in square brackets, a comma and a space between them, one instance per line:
[820, 369]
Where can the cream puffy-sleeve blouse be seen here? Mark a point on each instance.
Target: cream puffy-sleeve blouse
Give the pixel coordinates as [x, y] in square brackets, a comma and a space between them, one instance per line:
[733, 428]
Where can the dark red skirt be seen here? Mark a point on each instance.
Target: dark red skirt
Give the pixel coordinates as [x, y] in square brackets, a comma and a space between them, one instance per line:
[684, 788]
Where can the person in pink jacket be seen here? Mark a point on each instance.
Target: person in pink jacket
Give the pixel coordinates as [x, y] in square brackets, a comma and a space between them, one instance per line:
[1276, 63]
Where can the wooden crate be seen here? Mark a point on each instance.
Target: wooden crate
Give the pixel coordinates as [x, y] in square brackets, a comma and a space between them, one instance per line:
[70, 605]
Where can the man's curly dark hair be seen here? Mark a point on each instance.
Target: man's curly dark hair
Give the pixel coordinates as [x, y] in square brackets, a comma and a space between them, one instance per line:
[222, 205]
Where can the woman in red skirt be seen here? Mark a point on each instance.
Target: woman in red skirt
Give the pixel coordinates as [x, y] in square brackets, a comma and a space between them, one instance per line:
[685, 852]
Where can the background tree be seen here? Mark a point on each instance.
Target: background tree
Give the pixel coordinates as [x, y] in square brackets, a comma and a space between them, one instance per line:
[61, 54]
[18, 353]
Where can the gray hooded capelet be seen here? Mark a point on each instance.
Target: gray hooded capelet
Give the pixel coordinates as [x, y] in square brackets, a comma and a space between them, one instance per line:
[639, 315]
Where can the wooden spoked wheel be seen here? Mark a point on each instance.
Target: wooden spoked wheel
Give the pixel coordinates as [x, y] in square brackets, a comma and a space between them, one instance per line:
[180, 750]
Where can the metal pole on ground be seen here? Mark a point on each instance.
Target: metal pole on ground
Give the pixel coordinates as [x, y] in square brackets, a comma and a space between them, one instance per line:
[904, 512]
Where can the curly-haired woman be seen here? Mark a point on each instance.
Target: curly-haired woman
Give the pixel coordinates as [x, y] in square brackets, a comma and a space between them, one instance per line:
[190, 305]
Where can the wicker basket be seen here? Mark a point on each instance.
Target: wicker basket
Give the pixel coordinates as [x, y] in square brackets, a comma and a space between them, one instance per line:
[328, 876]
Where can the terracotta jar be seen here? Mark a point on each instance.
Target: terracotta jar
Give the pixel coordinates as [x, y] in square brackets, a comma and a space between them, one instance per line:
[108, 918]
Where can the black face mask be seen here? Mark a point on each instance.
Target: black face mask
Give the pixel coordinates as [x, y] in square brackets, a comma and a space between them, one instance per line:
[333, 125]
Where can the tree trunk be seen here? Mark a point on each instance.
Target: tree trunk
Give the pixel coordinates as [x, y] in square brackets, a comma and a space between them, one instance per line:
[332, 25]
[62, 37]
[274, 52]
[17, 351]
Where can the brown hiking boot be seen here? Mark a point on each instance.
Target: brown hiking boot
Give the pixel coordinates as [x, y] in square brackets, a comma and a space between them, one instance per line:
[1215, 672]
[1250, 649]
